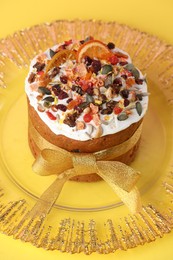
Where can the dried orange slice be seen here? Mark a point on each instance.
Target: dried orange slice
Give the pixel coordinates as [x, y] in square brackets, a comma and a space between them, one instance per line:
[59, 58]
[93, 49]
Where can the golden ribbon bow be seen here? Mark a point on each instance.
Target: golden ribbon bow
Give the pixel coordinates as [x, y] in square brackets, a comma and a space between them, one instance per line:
[52, 162]
[119, 176]
[113, 172]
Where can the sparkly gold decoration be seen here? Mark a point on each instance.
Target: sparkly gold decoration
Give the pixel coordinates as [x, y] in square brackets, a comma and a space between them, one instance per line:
[121, 231]
[75, 237]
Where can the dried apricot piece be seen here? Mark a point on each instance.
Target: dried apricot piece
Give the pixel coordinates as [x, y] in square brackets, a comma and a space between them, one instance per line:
[59, 58]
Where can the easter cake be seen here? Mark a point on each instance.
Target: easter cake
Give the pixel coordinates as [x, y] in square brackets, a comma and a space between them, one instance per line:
[85, 96]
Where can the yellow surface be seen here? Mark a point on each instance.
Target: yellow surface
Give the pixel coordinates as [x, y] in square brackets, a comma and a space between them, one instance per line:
[154, 17]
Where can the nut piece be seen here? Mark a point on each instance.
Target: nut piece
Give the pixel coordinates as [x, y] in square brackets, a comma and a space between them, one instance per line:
[40, 108]
[80, 125]
[87, 110]
[96, 91]
[109, 93]
[99, 132]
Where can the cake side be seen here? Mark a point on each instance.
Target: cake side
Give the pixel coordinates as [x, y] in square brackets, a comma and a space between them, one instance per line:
[126, 158]
[72, 145]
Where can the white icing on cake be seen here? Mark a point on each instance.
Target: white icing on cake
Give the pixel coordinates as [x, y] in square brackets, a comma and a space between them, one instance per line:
[103, 124]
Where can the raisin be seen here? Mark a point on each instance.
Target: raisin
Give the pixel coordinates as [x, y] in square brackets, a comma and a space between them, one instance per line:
[62, 95]
[139, 97]
[139, 81]
[117, 82]
[123, 63]
[87, 60]
[126, 102]
[69, 100]
[64, 79]
[56, 89]
[78, 109]
[107, 111]
[31, 77]
[90, 91]
[82, 42]
[70, 119]
[54, 72]
[39, 66]
[77, 80]
[61, 107]
[96, 66]
[124, 93]
[116, 90]
[124, 76]
[111, 45]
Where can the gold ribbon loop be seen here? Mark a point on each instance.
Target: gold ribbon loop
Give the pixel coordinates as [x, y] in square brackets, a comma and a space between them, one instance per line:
[114, 172]
[51, 162]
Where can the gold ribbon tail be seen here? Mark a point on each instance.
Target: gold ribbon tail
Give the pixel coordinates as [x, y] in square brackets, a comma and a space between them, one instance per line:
[50, 195]
[113, 173]
[131, 199]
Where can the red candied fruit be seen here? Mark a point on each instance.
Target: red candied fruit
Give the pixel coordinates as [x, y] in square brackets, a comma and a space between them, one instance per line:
[117, 110]
[68, 42]
[40, 72]
[85, 85]
[50, 115]
[87, 117]
[113, 59]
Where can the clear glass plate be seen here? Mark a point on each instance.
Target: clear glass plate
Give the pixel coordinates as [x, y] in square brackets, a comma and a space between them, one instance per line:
[87, 216]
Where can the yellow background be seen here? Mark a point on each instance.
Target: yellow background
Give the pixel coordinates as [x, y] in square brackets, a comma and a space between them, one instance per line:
[152, 16]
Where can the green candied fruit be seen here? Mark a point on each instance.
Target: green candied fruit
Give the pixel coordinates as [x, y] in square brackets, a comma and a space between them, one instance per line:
[44, 90]
[123, 116]
[138, 108]
[106, 69]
